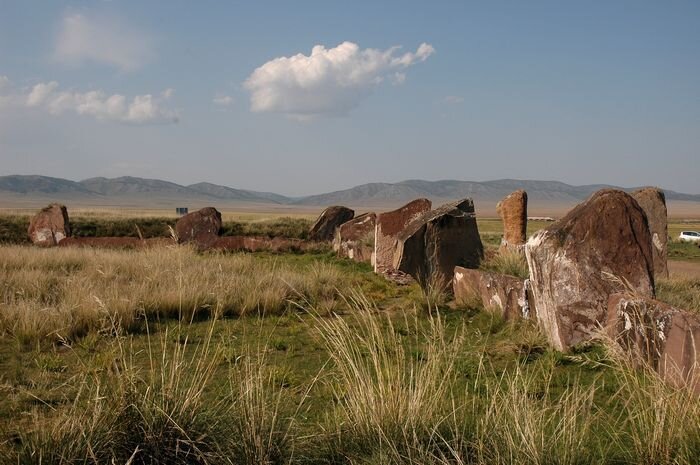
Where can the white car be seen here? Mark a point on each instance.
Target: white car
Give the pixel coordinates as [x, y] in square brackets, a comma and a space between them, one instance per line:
[689, 236]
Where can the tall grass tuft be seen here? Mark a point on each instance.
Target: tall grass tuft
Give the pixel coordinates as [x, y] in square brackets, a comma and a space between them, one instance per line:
[525, 423]
[391, 403]
[510, 262]
[659, 423]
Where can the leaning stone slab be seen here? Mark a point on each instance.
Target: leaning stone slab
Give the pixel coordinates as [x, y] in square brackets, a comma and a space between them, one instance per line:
[579, 261]
[508, 294]
[50, 226]
[663, 337]
[201, 227]
[389, 226]
[513, 212]
[431, 246]
[329, 219]
[653, 202]
[354, 239]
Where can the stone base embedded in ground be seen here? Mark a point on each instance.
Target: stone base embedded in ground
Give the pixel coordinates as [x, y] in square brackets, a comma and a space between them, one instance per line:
[578, 262]
[354, 239]
[653, 202]
[432, 246]
[665, 338]
[508, 294]
[389, 226]
[329, 219]
[50, 226]
[513, 212]
[201, 227]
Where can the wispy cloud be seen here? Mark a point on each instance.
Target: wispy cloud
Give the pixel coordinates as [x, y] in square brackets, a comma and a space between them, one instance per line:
[453, 99]
[223, 100]
[101, 39]
[328, 81]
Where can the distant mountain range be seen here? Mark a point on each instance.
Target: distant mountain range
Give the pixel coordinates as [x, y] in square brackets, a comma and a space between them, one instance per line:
[130, 189]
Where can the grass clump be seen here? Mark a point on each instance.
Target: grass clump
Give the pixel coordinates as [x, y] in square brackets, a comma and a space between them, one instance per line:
[507, 262]
[391, 404]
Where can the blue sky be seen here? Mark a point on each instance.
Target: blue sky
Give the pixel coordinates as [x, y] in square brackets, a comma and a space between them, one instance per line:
[581, 92]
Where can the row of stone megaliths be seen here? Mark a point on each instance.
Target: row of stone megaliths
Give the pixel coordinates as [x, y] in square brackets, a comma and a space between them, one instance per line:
[591, 273]
[412, 241]
[202, 229]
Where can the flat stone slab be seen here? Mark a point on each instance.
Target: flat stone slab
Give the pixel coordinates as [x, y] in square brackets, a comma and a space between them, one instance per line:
[389, 226]
[508, 294]
[432, 245]
[354, 239]
[659, 335]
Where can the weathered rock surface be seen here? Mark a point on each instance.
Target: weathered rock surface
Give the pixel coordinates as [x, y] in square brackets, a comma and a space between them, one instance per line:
[509, 294]
[201, 227]
[432, 246]
[354, 239]
[572, 260]
[115, 242]
[513, 211]
[389, 226]
[653, 202]
[659, 335]
[50, 226]
[329, 219]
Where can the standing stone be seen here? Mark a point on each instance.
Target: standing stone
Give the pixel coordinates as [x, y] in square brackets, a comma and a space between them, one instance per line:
[50, 226]
[388, 227]
[201, 227]
[332, 217]
[354, 239]
[579, 261]
[431, 246]
[658, 335]
[513, 211]
[653, 202]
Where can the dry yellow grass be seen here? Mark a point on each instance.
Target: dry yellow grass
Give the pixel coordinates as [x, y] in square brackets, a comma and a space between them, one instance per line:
[66, 293]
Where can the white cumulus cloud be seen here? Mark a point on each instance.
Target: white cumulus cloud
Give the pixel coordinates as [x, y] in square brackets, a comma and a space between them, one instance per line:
[328, 81]
[103, 40]
[141, 109]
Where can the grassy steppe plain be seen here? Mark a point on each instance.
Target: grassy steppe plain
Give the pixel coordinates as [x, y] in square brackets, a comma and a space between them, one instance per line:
[170, 356]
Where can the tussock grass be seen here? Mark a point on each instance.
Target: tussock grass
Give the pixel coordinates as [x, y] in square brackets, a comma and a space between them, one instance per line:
[67, 293]
[508, 262]
[658, 423]
[391, 404]
[526, 424]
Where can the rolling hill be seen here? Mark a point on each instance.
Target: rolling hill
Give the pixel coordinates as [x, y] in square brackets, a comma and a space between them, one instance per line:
[129, 191]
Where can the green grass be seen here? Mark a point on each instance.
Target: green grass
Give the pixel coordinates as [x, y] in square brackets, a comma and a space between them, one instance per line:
[13, 228]
[686, 251]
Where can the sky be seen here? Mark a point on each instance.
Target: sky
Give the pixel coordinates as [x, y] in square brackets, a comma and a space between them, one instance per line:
[307, 97]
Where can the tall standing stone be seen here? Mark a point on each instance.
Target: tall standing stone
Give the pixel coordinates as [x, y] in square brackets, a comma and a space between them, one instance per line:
[432, 246]
[354, 239]
[575, 265]
[653, 202]
[389, 226]
[201, 227]
[513, 211]
[329, 219]
[50, 225]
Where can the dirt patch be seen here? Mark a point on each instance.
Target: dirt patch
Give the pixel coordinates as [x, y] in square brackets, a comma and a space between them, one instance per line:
[688, 269]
